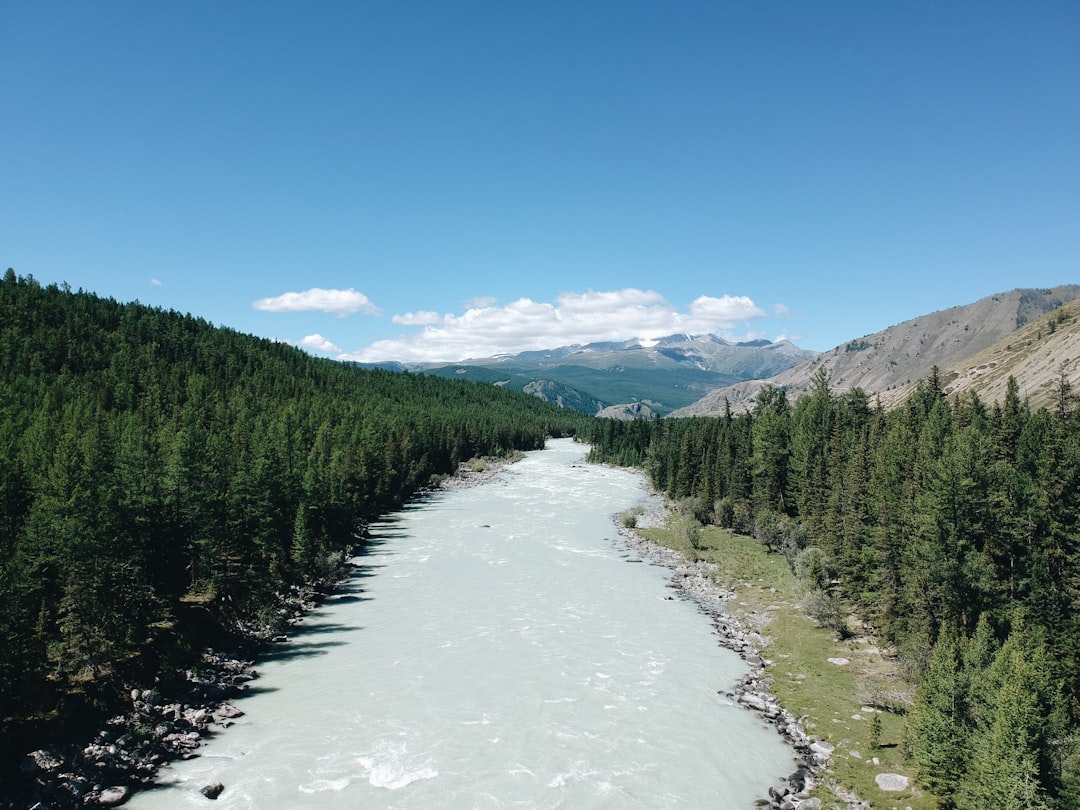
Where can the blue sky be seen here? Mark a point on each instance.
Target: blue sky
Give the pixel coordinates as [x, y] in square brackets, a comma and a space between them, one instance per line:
[434, 181]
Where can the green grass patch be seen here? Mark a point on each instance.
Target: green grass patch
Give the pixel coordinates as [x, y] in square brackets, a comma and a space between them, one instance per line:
[829, 698]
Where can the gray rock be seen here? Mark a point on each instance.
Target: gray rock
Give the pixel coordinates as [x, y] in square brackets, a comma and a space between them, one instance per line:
[69, 789]
[754, 701]
[212, 791]
[151, 697]
[114, 796]
[798, 778]
[892, 781]
[42, 761]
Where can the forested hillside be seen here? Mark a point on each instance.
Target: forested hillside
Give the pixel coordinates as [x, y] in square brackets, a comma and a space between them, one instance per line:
[159, 476]
[950, 525]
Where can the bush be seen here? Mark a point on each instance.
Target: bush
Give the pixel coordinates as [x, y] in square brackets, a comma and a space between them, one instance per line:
[813, 569]
[724, 513]
[688, 529]
[780, 533]
[696, 508]
[629, 518]
[826, 609]
[742, 520]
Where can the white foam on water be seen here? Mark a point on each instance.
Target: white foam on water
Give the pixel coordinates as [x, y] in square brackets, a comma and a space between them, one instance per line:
[321, 785]
[579, 772]
[391, 774]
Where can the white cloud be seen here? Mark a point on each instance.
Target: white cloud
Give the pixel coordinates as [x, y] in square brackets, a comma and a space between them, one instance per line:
[318, 343]
[781, 310]
[155, 282]
[725, 311]
[336, 302]
[417, 318]
[574, 318]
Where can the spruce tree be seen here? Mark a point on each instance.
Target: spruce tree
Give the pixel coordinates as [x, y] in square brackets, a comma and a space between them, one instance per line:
[941, 739]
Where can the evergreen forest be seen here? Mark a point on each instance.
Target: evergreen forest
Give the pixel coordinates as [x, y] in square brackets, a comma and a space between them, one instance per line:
[162, 479]
[950, 527]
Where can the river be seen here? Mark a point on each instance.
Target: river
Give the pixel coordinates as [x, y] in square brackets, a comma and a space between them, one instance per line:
[499, 646]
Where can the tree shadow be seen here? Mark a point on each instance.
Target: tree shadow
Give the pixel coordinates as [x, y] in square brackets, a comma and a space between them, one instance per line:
[291, 650]
[251, 689]
[345, 598]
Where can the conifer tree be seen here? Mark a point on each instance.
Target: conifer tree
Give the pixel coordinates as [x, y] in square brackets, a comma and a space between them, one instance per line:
[941, 739]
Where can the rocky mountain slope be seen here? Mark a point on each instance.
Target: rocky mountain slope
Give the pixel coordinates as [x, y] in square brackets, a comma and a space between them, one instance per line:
[1039, 355]
[957, 341]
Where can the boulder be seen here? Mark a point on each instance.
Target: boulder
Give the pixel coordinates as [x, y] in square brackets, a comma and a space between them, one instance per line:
[754, 701]
[892, 781]
[66, 789]
[212, 791]
[41, 761]
[113, 796]
[798, 778]
[151, 697]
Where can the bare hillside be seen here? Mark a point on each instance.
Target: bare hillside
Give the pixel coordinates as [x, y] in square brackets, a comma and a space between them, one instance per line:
[1037, 355]
[891, 361]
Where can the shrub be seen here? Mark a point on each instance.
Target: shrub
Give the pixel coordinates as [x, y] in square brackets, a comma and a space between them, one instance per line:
[724, 513]
[826, 609]
[629, 518]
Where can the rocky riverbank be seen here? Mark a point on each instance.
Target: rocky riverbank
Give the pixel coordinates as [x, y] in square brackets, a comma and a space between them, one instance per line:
[743, 635]
[158, 726]
[125, 755]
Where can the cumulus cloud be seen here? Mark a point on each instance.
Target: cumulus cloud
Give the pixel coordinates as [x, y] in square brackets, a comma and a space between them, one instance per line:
[417, 318]
[725, 311]
[335, 302]
[574, 318]
[318, 343]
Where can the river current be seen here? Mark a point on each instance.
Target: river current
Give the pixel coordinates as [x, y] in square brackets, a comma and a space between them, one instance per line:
[499, 646]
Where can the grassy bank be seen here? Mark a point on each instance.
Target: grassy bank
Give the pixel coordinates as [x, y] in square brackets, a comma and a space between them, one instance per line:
[833, 699]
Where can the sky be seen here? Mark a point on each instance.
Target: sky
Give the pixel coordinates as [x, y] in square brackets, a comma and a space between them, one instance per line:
[433, 181]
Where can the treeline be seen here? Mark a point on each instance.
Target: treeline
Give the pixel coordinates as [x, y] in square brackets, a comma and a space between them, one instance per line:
[950, 526]
[159, 475]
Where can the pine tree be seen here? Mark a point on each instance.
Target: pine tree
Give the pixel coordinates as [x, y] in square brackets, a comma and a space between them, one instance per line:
[771, 450]
[1018, 754]
[941, 739]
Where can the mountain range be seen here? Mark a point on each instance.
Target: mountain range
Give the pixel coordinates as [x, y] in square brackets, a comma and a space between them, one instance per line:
[631, 378]
[1030, 334]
